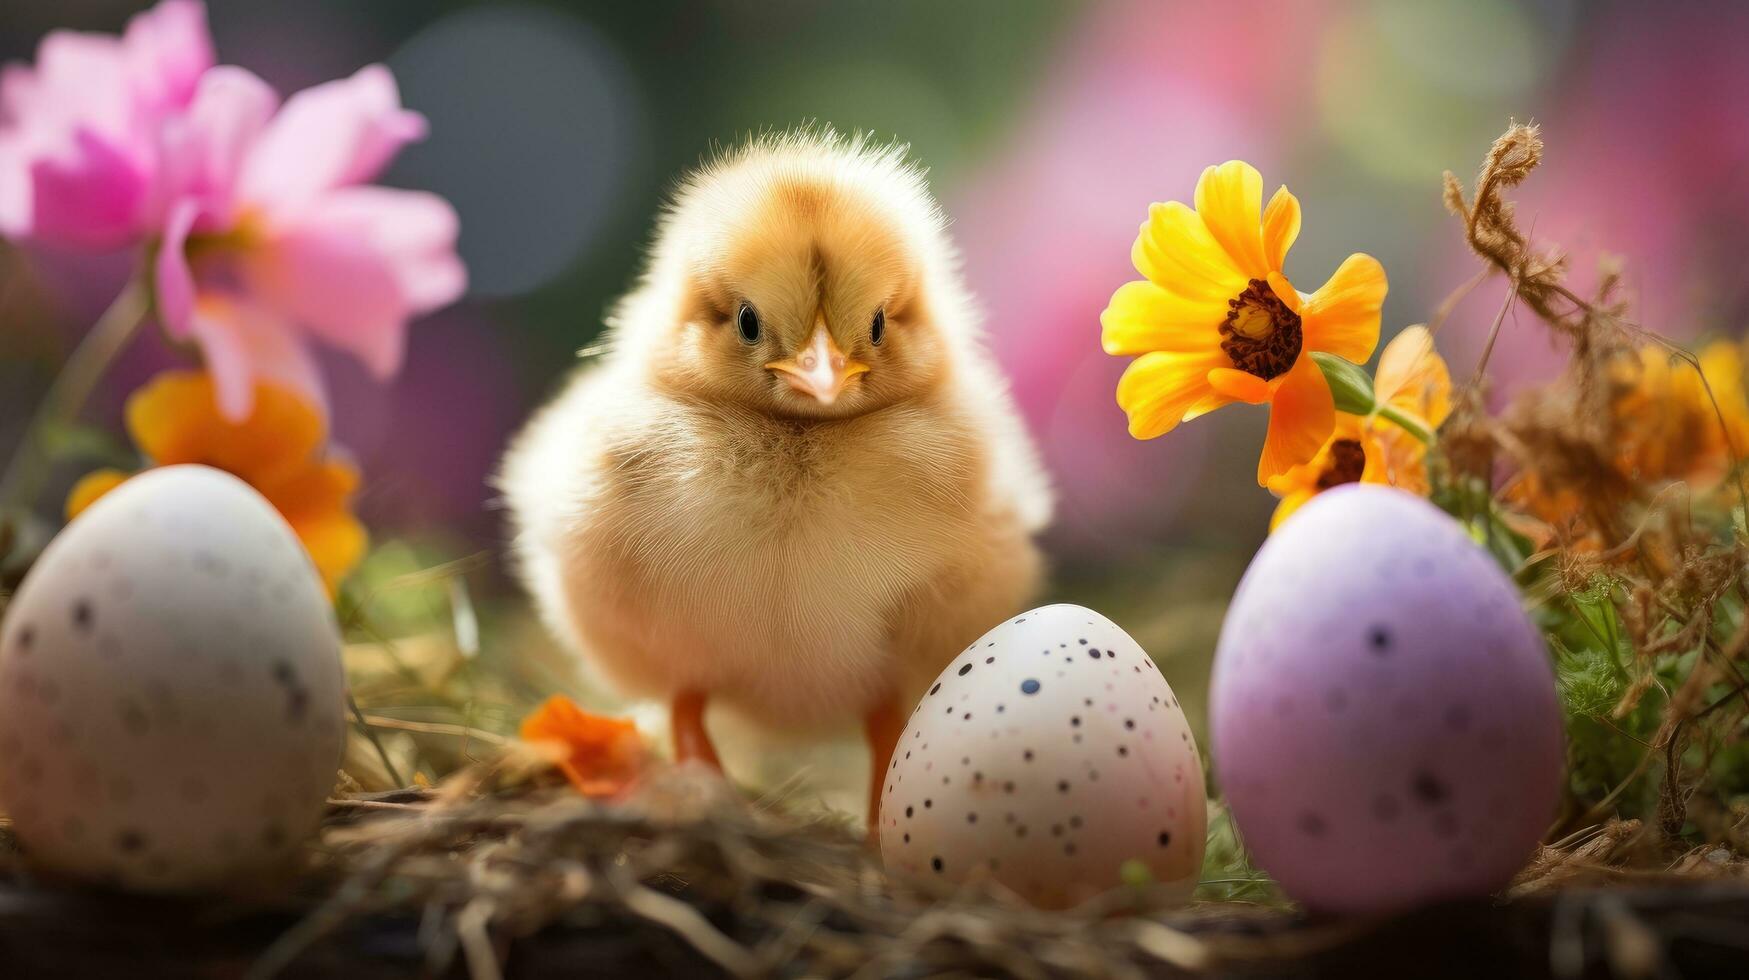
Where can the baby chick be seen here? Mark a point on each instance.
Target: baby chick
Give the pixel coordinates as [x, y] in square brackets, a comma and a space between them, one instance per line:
[796, 483]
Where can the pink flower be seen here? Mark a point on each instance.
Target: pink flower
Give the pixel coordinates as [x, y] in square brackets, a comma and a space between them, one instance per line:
[271, 236]
[265, 234]
[79, 129]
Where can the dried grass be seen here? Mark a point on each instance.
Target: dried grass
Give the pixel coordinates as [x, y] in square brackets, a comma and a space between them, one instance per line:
[1672, 567]
[750, 888]
[754, 889]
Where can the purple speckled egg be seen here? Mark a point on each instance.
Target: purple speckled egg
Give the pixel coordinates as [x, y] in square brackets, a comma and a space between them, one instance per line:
[1384, 719]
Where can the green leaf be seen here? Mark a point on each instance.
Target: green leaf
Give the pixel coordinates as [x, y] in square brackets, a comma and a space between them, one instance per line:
[1349, 383]
[1227, 871]
[84, 443]
[1587, 678]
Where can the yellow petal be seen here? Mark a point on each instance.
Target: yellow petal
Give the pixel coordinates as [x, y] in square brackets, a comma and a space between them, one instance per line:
[1290, 503]
[1206, 404]
[1142, 317]
[1378, 465]
[1301, 417]
[1177, 253]
[1230, 198]
[1722, 363]
[1157, 389]
[336, 542]
[175, 419]
[1342, 317]
[1281, 225]
[1413, 377]
[316, 487]
[1285, 291]
[1239, 385]
[90, 487]
[170, 417]
[316, 500]
[1306, 476]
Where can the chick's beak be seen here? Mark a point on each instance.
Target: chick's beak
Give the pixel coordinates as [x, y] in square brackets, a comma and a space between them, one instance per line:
[819, 369]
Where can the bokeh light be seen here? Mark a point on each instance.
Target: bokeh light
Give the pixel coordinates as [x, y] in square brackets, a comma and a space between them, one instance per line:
[1406, 89]
[535, 123]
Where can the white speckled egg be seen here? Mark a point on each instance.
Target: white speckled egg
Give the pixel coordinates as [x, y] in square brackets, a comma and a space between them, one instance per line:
[1385, 725]
[1047, 755]
[170, 688]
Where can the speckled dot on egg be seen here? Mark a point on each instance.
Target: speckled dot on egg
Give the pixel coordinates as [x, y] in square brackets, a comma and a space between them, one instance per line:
[1035, 742]
[1384, 717]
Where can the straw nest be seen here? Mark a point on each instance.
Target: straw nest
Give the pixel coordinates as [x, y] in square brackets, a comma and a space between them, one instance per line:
[687, 878]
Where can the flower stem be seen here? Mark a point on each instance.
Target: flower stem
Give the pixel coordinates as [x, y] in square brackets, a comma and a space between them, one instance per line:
[72, 387]
[1408, 423]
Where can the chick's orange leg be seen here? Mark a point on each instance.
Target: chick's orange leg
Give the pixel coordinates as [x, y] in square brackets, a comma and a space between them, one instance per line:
[883, 726]
[691, 742]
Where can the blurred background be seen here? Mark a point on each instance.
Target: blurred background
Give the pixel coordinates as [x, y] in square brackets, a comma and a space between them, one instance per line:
[1048, 127]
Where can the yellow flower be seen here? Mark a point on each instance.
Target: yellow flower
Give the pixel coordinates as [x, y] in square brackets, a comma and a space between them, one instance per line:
[1663, 428]
[1412, 378]
[600, 756]
[1670, 429]
[278, 450]
[1215, 321]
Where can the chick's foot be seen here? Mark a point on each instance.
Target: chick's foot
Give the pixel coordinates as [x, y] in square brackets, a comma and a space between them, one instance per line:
[691, 742]
[883, 726]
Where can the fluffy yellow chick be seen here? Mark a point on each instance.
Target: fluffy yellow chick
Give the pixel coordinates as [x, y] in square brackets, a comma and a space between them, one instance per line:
[796, 483]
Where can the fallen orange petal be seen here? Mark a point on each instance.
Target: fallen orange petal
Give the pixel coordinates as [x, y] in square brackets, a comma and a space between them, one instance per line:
[602, 756]
[90, 487]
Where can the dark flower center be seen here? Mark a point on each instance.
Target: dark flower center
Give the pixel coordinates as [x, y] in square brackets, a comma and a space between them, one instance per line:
[1347, 463]
[1260, 333]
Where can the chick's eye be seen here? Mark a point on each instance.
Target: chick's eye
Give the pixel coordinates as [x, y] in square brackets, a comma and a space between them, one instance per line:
[747, 322]
[878, 329]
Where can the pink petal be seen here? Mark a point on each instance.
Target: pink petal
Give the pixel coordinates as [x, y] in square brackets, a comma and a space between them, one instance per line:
[173, 280]
[18, 93]
[78, 128]
[355, 264]
[79, 80]
[338, 133]
[415, 230]
[68, 117]
[244, 345]
[88, 197]
[201, 152]
[167, 48]
[336, 284]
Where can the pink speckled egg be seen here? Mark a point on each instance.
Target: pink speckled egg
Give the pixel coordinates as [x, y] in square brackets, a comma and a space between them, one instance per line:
[1048, 755]
[1384, 719]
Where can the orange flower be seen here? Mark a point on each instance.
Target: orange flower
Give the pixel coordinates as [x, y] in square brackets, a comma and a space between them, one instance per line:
[600, 756]
[1670, 429]
[1413, 381]
[1664, 428]
[277, 450]
[1215, 321]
